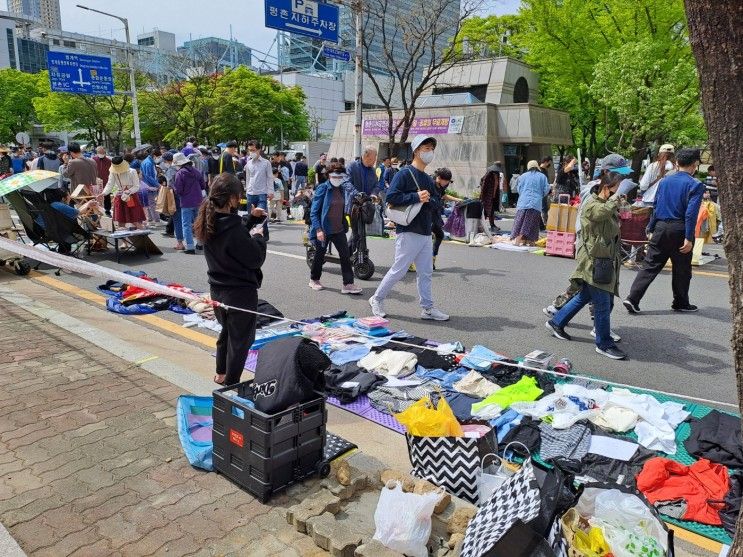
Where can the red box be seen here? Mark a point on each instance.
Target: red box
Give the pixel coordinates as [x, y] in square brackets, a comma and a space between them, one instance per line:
[560, 243]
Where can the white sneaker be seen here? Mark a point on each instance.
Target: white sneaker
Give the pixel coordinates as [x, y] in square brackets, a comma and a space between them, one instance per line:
[316, 286]
[377, 307]
[550, 311]
[435, 314]
[614, 336]
[351, 289]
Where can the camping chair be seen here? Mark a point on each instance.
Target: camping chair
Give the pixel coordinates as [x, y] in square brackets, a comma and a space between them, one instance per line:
[632, 236]
[33, 232]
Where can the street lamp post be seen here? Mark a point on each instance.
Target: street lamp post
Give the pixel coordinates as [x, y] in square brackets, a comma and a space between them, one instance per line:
[359, 85]
[132, 77]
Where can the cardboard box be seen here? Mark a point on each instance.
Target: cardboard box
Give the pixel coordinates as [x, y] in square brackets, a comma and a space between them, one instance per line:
[562, 217]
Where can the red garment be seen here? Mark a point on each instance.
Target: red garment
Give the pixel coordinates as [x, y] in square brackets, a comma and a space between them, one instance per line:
[665, 480]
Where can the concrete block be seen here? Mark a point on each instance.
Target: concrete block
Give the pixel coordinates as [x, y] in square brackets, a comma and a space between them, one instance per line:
[374, 548]
[407, 481]
[333, 536]
[424, 486]
[357, 482]
[315, 505]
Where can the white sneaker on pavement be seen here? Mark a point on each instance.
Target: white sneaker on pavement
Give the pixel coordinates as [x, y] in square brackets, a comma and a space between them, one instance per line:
[550, 311]
[614, 336]
[316, 286]
[351, 289]
[377, 307]
[435, 314]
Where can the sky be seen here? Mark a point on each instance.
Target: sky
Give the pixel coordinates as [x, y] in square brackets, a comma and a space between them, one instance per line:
[194, 18]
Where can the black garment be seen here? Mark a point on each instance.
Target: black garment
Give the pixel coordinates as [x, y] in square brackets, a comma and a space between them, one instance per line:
[665, 243]
[238, 329]
[566, 183]
[268, 309]
[340, 242]
[508, 375]
[226, 164]
[300, 169]
[438, 237]
[717, 437]
[729, 514]
[348, 381]
[527, 433]
[233, 257]
[289, 371]
[213, 166]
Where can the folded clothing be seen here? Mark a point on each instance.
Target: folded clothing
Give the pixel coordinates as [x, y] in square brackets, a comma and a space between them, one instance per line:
[480, 358]
[351, 354]
[524, 390]
[571, 443]
[394, 363]
[393, 400]
[461, 405]
[348, 381]
[475, 385]
[717, 437]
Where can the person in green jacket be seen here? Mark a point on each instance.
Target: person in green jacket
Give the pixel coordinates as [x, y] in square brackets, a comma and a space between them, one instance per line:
[598, 264]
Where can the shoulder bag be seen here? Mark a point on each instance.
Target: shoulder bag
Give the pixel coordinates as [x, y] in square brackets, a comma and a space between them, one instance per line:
[404, 215]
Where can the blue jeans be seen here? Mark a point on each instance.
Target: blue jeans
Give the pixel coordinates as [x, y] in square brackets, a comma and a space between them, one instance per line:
[188, 215]
[602, 305]
[260, 201]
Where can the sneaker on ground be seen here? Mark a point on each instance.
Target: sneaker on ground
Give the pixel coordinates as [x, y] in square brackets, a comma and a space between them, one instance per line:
[631, 306]
[550, 310]
[557, 332]
[377, 307]
[435, 314]
[687, 308]
[189, 252]
[612, 352]
[614, 336]
[350, 289]
[316, 286]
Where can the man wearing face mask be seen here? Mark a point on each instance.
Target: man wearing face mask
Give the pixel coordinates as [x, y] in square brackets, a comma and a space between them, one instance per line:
[673, 225]
[413, 244]
[330, 205]
[259, 187]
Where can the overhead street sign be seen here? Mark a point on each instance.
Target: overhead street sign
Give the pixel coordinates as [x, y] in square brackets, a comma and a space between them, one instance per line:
[304, 17]
[80, 73]
[336, 53]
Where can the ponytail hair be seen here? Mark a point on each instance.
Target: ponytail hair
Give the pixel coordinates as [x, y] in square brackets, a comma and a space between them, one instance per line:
[223, 189]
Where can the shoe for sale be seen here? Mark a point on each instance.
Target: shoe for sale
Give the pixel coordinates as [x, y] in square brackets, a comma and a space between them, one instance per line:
[377, 307]
[614, 336]
[550, 311]
[189, 252]
[631, 307]
[689, 308]
[316, 286]
[612, 352]
[351, 289]
[434, 314]
[557, 332]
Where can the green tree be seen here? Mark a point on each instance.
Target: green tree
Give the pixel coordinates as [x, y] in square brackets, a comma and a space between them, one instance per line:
[483, 37]
[17, 90]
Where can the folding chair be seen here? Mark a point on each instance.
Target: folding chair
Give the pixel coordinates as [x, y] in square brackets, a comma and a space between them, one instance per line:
[632, 235]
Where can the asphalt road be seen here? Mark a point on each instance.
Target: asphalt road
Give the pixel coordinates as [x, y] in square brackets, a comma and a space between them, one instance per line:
[495, 298]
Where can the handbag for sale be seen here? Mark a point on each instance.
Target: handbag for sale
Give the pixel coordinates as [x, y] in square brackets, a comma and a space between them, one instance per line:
[404, 215]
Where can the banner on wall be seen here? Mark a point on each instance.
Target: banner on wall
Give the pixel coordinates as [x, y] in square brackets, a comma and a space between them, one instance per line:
[435, 125]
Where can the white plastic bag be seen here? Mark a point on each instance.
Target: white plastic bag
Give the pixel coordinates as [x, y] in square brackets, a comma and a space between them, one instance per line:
[403, 520]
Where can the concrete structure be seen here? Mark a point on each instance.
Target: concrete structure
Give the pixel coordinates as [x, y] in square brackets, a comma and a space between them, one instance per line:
[480, 112]
[226, 53]
[45, 11]
[160, 40]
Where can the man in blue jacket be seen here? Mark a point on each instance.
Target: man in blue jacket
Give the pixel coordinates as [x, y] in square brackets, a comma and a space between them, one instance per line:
[413, 244]
[673, 224]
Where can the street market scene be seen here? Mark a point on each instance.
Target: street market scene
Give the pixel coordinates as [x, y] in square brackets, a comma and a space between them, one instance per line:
[371, 278]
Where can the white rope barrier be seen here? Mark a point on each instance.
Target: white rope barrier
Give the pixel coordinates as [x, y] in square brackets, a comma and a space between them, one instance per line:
[93, 270]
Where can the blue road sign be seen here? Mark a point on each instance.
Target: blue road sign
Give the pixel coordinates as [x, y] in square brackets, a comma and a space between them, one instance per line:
[311, 18]
[80, 73]
[336, 53]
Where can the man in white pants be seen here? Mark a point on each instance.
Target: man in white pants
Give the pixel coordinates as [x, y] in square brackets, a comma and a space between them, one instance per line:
[413, 244]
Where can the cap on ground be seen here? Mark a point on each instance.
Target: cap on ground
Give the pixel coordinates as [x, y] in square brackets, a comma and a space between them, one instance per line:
[420, 139]
[532, 164]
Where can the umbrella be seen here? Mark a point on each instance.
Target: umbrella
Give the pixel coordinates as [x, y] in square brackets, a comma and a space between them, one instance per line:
[37, 180]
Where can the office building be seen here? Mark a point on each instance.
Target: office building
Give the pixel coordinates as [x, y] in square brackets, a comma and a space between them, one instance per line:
[160, 40]
[45, 11]
[224, 53]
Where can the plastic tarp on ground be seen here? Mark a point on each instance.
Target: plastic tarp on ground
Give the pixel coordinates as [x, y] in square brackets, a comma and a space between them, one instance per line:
[194, 415]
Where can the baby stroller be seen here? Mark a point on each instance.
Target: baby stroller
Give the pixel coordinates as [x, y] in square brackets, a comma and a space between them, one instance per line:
[362, 213]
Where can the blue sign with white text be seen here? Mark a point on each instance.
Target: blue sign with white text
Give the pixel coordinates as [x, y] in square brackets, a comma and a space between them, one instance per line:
[80, 73]
[336, 53]
[304, 17]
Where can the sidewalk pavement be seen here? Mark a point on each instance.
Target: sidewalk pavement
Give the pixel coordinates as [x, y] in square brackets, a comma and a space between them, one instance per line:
[90, 462]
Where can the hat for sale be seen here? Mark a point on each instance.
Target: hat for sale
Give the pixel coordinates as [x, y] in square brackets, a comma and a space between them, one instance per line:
[532, 164]
[179, 159]
[616, 163]
[420, 139]
[667, 148]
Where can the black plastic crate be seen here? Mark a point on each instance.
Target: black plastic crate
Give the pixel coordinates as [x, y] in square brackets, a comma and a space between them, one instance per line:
[265, 453]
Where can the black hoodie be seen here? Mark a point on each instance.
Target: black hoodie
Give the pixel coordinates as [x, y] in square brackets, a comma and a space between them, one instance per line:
[233, 257]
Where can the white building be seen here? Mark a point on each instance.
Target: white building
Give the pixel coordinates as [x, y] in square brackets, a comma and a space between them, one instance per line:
[160, 40]
[45, 11]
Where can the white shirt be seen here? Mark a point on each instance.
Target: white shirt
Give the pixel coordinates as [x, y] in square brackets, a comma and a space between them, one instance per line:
[260, 181]
[649, 181]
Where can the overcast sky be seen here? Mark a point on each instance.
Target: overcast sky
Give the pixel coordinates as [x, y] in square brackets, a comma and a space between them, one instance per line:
[195, 18]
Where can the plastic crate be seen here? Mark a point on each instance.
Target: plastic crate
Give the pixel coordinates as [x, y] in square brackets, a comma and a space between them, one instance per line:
[560, 243]
[265, 453]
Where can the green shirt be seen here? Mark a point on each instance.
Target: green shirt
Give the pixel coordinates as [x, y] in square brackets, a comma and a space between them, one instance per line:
[599, 239]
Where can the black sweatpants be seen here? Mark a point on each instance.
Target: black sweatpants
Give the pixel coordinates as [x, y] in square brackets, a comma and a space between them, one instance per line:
[340, 242]
[668, 237]
[438, 237]
[238, 330]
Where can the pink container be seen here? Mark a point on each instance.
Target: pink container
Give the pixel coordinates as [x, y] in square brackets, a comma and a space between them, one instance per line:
[561, 244]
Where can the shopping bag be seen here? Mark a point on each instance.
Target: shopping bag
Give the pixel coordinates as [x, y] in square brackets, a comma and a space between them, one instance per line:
[165, 202]
[426, 418]
[562, 216]
[491, 478]
[450, 462]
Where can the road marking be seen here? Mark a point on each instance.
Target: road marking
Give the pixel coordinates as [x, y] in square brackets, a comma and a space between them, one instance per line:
[284, 254]
[711, 274]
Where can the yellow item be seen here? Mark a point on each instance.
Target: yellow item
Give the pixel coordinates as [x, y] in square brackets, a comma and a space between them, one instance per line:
[423, 419]
[541, 243]
[592, 544]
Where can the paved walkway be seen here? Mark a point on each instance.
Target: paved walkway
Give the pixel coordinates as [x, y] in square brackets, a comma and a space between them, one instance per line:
[90, 462]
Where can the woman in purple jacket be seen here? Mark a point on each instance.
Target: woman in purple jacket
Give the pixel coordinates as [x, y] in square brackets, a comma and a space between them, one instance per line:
[189, 187]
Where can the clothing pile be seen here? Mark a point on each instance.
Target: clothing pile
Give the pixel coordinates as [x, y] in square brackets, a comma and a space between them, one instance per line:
[133, 300]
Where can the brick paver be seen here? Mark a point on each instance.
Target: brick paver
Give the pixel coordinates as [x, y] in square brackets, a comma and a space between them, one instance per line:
[90, 462]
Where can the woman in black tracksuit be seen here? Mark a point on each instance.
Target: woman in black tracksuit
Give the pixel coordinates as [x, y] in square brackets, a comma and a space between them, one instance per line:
[234, 250]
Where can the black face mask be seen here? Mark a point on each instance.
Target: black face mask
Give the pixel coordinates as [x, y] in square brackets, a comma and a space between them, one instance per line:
[233, 210]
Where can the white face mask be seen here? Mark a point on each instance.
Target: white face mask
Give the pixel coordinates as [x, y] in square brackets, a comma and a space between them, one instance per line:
[426, 157]
[254, 155]
[335, 182]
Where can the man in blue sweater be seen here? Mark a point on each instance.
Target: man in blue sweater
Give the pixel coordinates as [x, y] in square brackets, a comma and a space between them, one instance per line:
[677, 203]
[413, 244]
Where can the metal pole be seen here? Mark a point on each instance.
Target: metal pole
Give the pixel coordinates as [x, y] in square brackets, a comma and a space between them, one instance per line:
[359, 87]
[132, 86]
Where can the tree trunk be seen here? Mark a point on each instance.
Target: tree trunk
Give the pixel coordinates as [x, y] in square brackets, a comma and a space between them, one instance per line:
[717, 44]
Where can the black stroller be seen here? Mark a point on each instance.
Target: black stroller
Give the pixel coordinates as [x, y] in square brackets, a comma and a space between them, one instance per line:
[362, 213]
